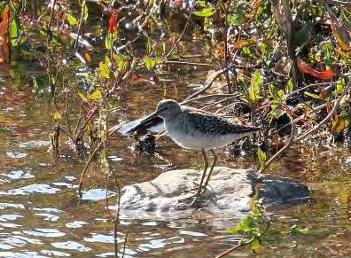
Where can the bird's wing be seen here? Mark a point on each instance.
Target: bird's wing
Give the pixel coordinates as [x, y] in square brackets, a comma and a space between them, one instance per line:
[209, 123]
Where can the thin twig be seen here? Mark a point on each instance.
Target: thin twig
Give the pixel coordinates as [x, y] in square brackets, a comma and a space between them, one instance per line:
[80, 24]
[326, 119]
[209, 84]
[187, 63]
[288, 143]
[85, 169]
[314, 110]
[226, 51]
[181, 35]
[291, 140]
[241, 243]
[309, 86]
[211, 96]
[124, 245]
[80, 186]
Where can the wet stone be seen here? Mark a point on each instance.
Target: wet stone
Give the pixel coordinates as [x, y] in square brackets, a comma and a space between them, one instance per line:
[230, 191]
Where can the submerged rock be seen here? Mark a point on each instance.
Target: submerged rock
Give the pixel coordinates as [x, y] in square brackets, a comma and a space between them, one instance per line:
[229, 192]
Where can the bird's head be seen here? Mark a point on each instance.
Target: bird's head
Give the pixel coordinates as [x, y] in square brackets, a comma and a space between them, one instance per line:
[167, 108]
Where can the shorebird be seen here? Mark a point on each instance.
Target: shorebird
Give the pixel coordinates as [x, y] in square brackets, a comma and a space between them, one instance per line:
[196, 129]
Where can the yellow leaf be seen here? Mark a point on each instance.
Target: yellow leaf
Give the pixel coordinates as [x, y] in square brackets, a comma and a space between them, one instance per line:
[83, 97]
[339, 124]
[57, 116]
[96, 95]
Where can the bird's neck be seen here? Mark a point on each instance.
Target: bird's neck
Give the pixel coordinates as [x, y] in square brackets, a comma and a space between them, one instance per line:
[173, 118]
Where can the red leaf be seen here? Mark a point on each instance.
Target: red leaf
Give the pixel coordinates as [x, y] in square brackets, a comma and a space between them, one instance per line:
[113, 21]
[4, 33]
[178, 3]
[325, 75]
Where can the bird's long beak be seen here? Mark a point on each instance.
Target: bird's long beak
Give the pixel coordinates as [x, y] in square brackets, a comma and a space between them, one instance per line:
[143, 123]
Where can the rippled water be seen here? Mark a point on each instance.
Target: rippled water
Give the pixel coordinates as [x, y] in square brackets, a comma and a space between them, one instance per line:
[41, 216]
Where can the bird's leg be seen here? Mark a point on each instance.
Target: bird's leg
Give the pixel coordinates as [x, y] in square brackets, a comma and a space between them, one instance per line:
[211, 169]
[199, 189]
[197, 200]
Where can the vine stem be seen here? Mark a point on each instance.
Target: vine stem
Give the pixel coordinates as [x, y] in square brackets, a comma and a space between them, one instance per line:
[241, 243]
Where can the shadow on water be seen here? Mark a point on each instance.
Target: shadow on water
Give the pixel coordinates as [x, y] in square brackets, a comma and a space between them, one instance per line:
[42, 217]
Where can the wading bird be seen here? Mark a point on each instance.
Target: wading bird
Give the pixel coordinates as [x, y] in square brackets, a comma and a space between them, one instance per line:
[198, 130]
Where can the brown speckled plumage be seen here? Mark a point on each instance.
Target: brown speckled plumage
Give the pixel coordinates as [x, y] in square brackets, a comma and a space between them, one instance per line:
[208, 123]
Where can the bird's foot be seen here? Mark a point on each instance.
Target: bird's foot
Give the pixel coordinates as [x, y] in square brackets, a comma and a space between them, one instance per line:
[194, 200]
[197, 202]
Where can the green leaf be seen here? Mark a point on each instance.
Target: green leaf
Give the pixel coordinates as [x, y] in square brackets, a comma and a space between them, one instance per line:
[343, 55]
[281, 95]
[14, 31]
[237, 18]
[295, 229]
[150, 62]
[96, 95]
[205, 12]
[2, 117]
[246, 225]
[71, 20]
[83, 97]
[262, 156]
[2, 6]
[122, 62]
[312, 95]
[263, 48]
[246, 50]
[108, 42]
[255, 88]
[257, 79]
[272, 90]
[255, 245]
[149, 46]
[290, 87]
[202, 3]
[105, 68]
[110, 39]
[85, 13]
[340, 86]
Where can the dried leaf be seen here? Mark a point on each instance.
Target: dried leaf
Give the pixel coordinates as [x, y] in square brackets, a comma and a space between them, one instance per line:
[312, 95]
[339, 124]
[244, 43]
[340, 30]
[4, 32]
[325, 75]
